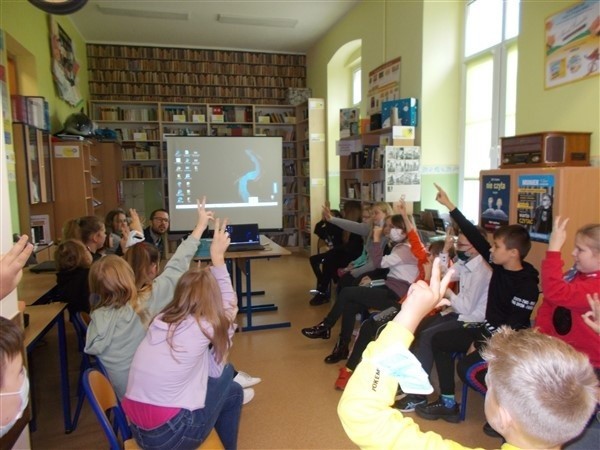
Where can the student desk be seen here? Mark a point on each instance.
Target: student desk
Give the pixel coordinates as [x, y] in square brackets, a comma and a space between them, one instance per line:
[42, 318]
[36, 288]
[241, 261]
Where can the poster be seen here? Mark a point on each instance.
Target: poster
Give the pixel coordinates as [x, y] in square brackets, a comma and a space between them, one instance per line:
[384, 85]
[402, 173]
[65, 67]
[534, 205]
[573, 44]
[495, 200]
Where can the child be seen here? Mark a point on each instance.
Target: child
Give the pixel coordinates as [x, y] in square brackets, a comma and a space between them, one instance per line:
[119, 318]
[548, 410]
[113, 223]
[92, 233]
[354, 299]
[178, 405]
[14, 384]
[512, 295]
[565, 297]
[73, 263]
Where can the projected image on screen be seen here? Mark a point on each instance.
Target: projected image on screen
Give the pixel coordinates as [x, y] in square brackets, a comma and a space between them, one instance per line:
[241, 178]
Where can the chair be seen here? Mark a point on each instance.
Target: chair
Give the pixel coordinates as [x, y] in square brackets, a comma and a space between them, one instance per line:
[102, 398]
[471, 382]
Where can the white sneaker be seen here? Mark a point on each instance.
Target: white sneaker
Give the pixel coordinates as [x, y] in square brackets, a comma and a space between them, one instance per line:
[245, 380]
[248, 395]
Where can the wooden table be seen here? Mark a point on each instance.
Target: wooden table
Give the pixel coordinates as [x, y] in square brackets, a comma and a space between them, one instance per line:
[241, 262]
[35, 287]
[42, 318]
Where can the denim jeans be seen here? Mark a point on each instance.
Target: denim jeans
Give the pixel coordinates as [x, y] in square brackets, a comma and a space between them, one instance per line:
[188, 429]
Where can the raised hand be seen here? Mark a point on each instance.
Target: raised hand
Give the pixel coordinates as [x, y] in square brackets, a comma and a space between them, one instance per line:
[12, 263]
[449, 241]
[400, 207]
[220, 242]
[377, 232]
[592, 317]
[136, 223]
[558, 235]
[326, 212]
[442, 198]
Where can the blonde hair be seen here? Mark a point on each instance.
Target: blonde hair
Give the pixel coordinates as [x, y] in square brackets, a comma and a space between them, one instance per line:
[197, 294]
[547, 386]
[591, 234]
[112, 281]
[383, 207]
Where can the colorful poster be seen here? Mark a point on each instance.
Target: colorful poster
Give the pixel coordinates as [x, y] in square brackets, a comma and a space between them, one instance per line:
[402, 173]
[384, 85]
[534, 205]
[495, 200]
[573, 44]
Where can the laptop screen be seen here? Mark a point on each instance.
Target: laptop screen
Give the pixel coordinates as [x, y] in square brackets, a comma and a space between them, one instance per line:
[244, 233]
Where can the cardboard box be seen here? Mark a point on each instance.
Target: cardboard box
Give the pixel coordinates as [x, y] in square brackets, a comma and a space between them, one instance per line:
[407, 112]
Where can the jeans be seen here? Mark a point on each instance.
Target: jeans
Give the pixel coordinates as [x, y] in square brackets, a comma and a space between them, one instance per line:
[188, 429]
[429, 327]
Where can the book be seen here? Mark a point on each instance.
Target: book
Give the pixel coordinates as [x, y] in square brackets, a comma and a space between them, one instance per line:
[349, 120]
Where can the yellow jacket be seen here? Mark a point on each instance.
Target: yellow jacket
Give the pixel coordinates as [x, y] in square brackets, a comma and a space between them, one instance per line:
[365, 407]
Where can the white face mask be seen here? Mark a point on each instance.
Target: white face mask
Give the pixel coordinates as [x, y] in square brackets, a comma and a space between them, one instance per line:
[23, 393]
[397, 235]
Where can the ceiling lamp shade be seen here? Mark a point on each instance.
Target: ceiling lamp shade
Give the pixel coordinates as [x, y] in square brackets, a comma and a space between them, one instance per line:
[59, 7]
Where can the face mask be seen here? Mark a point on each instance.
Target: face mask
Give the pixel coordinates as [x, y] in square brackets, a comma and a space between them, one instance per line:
[23, 393]
[397, 235]
[463, 256]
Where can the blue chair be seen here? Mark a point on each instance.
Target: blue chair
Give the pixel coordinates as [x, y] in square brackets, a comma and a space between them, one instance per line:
[471, 382]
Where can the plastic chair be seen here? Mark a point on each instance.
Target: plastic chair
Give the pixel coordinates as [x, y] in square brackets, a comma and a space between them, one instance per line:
[471, 382]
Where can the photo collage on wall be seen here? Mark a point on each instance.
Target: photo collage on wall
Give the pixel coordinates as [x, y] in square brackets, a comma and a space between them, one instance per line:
[403, 173]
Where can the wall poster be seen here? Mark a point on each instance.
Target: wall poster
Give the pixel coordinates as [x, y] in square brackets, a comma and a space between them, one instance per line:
[534, 205]
[402, 173]
[495, 200]
[384, 85]
[64, 65]
[573, 44]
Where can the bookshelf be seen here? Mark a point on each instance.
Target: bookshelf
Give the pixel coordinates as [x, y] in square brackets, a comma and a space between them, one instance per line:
[131, 73]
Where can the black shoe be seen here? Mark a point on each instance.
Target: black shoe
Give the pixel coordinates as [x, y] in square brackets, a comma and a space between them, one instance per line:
[487, 429]
[319, 299]
[340, 352]
[409, 402]
[438, 410]
[318, 331]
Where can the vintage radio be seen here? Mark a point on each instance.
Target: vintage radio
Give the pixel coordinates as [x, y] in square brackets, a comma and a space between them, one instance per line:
[545, 149]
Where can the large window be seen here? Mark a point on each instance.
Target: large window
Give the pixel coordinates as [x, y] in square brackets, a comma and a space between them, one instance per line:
[356, 85]
[490, 76]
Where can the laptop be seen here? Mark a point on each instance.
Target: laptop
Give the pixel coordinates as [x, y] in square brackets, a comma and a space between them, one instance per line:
[244, 237]
[440, 226]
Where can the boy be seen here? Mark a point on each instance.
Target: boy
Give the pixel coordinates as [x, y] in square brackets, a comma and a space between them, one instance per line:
[512, 295]
[527, 412]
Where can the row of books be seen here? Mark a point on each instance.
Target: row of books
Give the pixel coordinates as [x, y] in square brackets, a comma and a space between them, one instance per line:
[366, 191]
[140, 151]
[131, 171]
[184, 114]
[108, 96]
[185, 131]
[285, 134]
[289, 168]
[138, 134]
[147, 70]
[371, 157]
[290, 204]
[193, 92]
[288, 152]
[184, 54]
[31, 110]
[304, 150]
[231, 130]
[202, 79]
[276, 117]
[304, 187]
[305, 169]
[289, 187]
[112, 112]
[289, 221]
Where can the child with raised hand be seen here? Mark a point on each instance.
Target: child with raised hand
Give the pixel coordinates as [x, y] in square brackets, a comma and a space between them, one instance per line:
[119, 316]
[178, 405]
[592, 317]
[566, 295]
[525, 414]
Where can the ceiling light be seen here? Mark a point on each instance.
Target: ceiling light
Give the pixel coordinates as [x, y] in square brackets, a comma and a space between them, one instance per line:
[142, 13]
[257, 21]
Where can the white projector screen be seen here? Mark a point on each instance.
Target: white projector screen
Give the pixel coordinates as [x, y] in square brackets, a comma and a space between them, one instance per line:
[241, 178]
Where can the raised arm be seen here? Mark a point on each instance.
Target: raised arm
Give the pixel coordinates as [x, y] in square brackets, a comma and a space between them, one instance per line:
[218, 247]
[12, 263]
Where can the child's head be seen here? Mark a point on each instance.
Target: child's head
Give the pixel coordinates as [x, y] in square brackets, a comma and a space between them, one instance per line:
[71, 254]
[397, 230]
[111, 279]
[92, 230]
[70, 229]
[510, 242]
[114, 219]
[144, 259]
[197, 294]
[587, 248]
[352, 210]
[13, 380]
[380, 211]
[464, 249]
[436, 247]
[367, 215]
[547, 388]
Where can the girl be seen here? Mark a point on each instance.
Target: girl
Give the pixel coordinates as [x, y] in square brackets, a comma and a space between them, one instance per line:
[73, 263]
[565, 296]
[114, 221]
[178, 405]
[352, 300]
[120, 317]
[93, 235]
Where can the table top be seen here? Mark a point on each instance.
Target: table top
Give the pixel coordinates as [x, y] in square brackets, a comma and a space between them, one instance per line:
[34, 285]
[40, 316]
[271, 250]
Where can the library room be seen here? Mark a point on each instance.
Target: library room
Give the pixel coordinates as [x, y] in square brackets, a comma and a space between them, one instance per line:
[300, 225]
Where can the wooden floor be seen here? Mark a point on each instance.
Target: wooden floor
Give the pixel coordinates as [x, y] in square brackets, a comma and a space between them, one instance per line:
[295, 405]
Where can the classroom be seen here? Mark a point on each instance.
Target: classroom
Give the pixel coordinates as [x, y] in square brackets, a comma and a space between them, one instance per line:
[276, 109]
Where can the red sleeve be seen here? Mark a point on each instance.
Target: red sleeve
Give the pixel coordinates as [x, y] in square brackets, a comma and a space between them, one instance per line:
[559, 292]
[418, 249]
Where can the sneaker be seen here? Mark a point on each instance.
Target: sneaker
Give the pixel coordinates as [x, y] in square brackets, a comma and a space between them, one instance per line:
[438, 410]
[342, 380]
[321, 331]
[248, 395]
[410, 402]
[319, 299]
[245, 380]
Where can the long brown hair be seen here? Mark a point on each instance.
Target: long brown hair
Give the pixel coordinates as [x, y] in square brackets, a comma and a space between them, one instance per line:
[140, 257]
[197, 294]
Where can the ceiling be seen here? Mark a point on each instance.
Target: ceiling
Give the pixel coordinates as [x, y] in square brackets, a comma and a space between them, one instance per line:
[132, 25]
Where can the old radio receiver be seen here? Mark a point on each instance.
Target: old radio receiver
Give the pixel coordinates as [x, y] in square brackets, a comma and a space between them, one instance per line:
[545, 149]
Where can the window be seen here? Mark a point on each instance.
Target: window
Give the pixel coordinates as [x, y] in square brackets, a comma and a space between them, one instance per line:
[490, 76]
[356, 86]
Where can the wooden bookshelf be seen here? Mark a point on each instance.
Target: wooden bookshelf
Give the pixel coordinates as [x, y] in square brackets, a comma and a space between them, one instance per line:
[132, 73]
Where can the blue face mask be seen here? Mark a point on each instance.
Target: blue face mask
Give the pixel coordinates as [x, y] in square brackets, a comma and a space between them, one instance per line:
[463, 256]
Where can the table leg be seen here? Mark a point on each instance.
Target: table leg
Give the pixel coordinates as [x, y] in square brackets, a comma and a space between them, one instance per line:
[64, 373]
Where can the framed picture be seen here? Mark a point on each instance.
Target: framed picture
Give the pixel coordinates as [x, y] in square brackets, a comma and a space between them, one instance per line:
[34, 176]
[65, 67]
